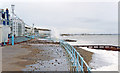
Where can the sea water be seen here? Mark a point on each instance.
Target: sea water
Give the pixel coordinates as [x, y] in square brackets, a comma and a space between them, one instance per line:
[93, 39]
[102, 60]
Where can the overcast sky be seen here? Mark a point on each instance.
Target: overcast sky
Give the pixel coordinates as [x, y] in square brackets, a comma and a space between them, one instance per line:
[71, 16]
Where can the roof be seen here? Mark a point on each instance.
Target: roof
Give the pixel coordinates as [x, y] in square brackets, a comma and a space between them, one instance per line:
[42, 29]
[37, 28]
[28, 27]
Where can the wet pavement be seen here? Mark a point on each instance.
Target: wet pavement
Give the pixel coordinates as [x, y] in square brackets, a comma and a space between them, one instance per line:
[52, 58]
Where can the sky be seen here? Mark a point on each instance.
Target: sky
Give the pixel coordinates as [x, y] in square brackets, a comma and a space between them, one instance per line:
[68, 16]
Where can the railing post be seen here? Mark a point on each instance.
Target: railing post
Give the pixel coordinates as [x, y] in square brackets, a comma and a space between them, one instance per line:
[74, 57]
[69, 47]
[72, 54]
[81, 64]
[77, 62]
[12, 39]
[88, 70]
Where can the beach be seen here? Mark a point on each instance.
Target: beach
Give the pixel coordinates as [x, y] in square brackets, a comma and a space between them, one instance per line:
[30, 56]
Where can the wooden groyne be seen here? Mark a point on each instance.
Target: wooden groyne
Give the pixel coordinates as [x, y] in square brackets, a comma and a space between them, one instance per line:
[104, 47]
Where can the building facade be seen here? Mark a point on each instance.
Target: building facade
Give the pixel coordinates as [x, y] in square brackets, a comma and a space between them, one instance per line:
[4, 25]
[28, 30]
[43, 33]
[17, 27]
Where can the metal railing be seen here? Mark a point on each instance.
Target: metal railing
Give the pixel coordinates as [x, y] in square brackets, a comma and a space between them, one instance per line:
[13, 40]
[77, 60]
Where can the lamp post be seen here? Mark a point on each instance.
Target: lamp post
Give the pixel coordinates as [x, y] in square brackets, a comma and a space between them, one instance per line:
[12, 6]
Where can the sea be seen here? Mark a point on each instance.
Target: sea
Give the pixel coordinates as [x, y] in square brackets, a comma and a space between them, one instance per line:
[93, 39]
[102, 60]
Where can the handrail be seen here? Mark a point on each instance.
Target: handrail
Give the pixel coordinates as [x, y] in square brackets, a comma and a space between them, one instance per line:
[80, 56]
[73, 52]
[65, 45]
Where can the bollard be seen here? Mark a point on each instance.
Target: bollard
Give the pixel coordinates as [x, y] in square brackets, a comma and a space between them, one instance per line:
[12, 40]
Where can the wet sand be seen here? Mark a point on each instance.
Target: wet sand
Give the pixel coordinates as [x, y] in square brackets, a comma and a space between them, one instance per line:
[85, 54]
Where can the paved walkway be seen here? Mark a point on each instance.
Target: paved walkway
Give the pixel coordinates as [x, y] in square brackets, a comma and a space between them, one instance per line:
[119, 62]
[53, 58]
[0, 59]
[34, 57]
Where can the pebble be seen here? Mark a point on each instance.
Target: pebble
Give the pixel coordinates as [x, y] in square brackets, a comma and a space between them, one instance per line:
[56, 60]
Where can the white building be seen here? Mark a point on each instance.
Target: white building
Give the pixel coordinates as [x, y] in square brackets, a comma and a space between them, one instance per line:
[17, 27]
[0, 16]
[28, 30]
[37, 31]
[4, 29]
